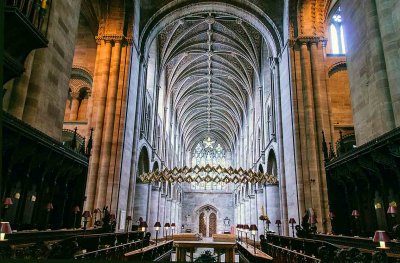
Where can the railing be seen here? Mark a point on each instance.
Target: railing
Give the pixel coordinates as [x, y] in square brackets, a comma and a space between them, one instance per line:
[158, 252]
[111, 253]
[292, 250]
[247, 253]
[106, 244]
[34, 10]
[285, 255]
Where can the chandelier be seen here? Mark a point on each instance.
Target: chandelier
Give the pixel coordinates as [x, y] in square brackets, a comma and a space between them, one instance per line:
[208, 174]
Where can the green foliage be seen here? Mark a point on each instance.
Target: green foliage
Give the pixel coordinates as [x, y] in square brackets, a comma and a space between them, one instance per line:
[207, 256]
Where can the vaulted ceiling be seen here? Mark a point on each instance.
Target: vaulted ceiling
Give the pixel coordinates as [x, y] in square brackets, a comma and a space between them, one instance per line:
[212, 65]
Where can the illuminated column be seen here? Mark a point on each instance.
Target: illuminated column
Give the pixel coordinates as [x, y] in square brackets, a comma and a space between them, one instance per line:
[109, 111]
[100, 83]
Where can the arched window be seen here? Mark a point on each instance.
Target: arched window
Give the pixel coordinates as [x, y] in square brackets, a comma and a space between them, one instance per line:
[337, 33]
[210, 152]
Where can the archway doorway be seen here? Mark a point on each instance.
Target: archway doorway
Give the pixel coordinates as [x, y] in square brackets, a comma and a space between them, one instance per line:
[207, 221]
[212, 225]
[202, 224]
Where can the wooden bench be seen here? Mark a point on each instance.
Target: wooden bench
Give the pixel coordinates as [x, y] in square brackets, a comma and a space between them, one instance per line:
[185, 237]
[224, 238]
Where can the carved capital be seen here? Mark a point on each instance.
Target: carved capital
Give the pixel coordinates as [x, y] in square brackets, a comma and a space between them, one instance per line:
[310, 40]
[112, 38]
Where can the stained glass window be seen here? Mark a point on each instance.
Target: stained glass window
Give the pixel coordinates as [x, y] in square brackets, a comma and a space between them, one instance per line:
[208, 151]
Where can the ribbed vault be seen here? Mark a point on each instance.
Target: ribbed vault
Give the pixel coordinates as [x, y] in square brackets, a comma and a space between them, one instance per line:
[211, 62]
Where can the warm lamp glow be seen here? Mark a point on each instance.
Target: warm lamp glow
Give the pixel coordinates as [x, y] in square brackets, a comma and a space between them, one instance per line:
[253, 229]
[392, 210]
[157, 226]
[381, 237]
[166, 226]
[143, 225]
[246, 228]
[7, 202]
[355, 213]
[5, 228]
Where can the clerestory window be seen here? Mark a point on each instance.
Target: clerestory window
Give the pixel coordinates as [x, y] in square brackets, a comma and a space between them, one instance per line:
[337, 33]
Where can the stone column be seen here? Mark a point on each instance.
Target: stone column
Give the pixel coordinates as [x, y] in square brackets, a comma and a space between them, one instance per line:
[163, 202]
[119, 124]
[368, 66]
[273, 206]
[20, 89]
[73, 116]
[155, 114]
[300, 142]
[280, 154]
[91, 113]
[308, 120]
[322, 123]
[136, 134]
[51, 69]
[106, 142]
[141, 200]
[154, 209]
[262, 121]
[389, 28]
[100, 83]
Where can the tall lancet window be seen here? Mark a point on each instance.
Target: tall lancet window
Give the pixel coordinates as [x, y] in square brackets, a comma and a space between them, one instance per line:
[337, 33]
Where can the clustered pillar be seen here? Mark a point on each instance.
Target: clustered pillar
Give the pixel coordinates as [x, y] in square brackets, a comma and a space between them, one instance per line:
[109, 79]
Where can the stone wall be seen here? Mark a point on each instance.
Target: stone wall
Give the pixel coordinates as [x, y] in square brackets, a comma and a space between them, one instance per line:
[85, 46]
[193, 201]
[51, 68]
[372, 58]
[339, 99]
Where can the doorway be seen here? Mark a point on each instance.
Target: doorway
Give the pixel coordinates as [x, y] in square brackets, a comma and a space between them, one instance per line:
[207, 221]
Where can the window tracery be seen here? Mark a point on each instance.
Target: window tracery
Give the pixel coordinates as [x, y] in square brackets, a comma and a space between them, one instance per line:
[337, 33]
[210, 152]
